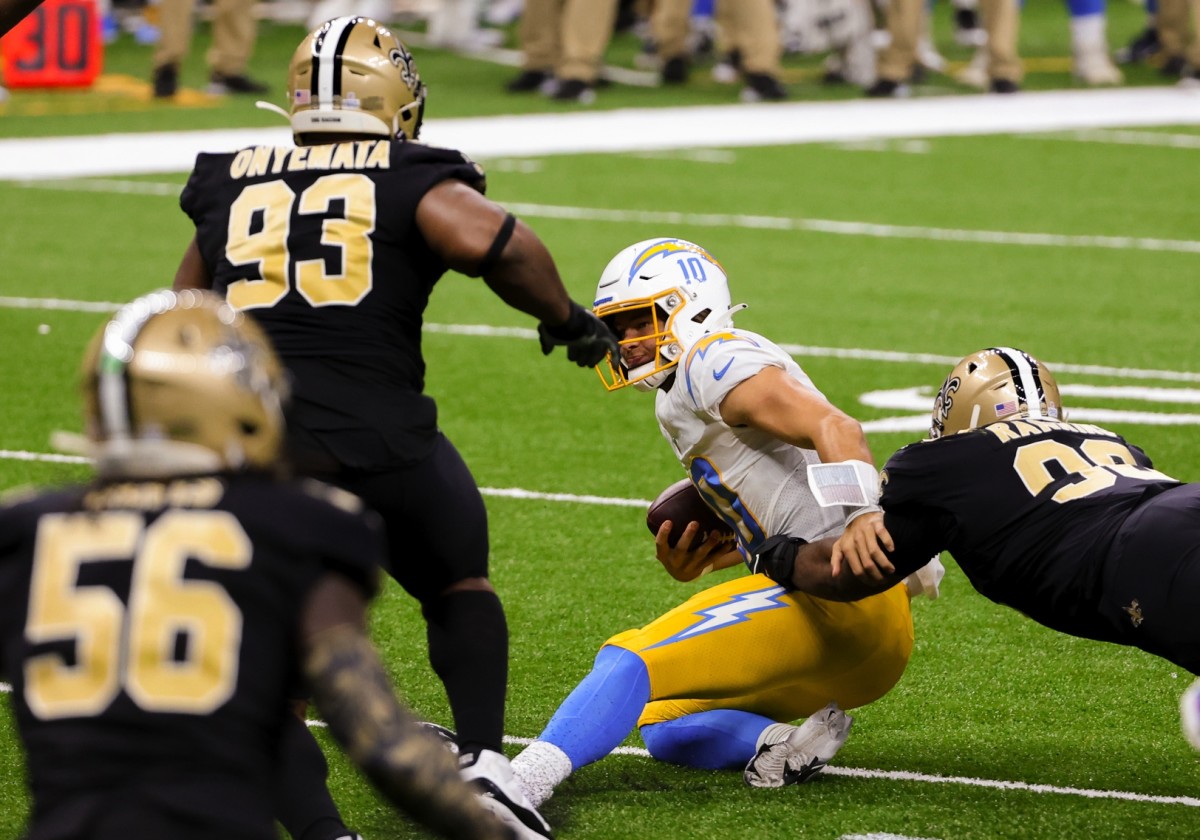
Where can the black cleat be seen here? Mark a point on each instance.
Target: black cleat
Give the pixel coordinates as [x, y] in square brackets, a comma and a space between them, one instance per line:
[166, 81]
[220, 83]
[529, 81]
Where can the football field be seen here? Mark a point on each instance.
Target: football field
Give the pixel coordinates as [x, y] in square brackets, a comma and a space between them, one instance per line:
[876, 261]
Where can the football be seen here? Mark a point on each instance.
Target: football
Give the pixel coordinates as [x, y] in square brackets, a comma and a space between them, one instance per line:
[681, 503]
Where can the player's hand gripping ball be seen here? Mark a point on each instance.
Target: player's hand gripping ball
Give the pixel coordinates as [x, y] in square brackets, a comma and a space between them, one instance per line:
[682, 503]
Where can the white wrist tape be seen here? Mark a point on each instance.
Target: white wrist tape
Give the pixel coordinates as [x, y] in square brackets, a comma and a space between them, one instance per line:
[852, 484]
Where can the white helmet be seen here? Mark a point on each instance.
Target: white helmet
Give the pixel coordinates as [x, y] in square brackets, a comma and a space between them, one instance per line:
[685, 292]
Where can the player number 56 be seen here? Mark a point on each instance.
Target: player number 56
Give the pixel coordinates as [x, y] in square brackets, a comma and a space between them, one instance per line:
[134, 648]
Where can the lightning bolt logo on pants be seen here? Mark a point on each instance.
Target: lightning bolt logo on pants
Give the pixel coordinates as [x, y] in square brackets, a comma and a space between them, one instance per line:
[734, 611]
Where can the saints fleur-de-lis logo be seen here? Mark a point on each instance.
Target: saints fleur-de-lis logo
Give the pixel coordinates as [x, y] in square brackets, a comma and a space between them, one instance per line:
[1135, 613]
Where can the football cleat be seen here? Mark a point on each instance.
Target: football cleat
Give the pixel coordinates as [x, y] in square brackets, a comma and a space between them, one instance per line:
[1189, 710]
[789, 755]
[500, 792]
[447, 736]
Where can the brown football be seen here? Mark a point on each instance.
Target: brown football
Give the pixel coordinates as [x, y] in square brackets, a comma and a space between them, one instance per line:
[681, 503]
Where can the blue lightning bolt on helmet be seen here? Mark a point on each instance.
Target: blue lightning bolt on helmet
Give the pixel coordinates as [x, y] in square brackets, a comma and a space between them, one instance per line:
[684, 294]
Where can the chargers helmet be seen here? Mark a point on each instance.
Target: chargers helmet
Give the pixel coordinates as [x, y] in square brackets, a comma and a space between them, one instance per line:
[999, 383]
[353, 76]
[685, 293]
[180, 382]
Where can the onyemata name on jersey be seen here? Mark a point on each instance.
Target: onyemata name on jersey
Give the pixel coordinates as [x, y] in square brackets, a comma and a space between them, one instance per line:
[320, 244]
[756, 482]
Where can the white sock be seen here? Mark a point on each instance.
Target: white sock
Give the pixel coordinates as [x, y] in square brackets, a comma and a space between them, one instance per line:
[540, 768]
[1088, 33]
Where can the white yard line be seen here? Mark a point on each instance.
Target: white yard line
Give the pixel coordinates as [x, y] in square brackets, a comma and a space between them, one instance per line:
[874, 230]
[639, 130]
[906, 776]
[1127, 138]
[804, 350]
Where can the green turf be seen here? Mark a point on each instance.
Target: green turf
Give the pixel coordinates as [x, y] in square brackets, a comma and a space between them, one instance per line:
[988, 694]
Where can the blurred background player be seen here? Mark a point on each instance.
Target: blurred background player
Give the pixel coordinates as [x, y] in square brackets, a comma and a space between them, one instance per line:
[563, 44]
[336, 254]
[745, 422]
[158, 618]
[1070, 524]
[234, 31]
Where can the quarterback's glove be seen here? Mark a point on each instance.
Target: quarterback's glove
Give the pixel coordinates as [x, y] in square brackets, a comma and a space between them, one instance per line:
[776, 558]
[587, 339]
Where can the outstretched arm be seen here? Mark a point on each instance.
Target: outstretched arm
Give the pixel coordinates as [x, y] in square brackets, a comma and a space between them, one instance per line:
[806, 567]
[410, 767]
[479, 238]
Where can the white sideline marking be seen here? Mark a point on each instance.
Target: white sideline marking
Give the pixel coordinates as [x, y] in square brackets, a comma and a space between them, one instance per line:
[902, 776]
[906, 776]
[752, 222]
[649, 129]
[882, 835]
[851, 228]
[1128, 138]
[808, 350]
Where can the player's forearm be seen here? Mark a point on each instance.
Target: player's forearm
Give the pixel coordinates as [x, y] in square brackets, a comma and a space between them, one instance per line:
[526, 278]
[411, 768]
[840, 438]
[805, 567]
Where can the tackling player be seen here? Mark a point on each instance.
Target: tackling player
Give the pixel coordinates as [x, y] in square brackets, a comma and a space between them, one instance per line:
[334, 245]
[745, 422]
[157, 618]
[1068, 523]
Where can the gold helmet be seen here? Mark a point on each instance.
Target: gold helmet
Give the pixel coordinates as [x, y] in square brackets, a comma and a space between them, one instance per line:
[178, 383]
[999, 383]
[353, 76]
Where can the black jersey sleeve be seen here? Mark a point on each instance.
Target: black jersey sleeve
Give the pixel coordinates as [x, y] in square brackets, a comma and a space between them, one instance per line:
[432, 165]
[199, 190]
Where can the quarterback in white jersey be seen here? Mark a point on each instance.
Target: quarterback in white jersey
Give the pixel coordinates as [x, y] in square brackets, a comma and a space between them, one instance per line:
[716, 681]
[756, 482]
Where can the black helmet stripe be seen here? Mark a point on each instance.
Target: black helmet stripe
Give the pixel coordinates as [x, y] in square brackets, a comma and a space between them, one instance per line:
[327, 51]
[1026, 378]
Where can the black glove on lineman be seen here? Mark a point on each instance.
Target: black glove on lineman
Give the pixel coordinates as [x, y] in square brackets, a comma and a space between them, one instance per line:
[587, 339]
[776, 559]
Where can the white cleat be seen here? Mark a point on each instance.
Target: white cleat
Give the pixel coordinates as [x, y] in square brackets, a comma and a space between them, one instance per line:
[1095, 69]
[789, 755]
[1189, 711]
[501, 793]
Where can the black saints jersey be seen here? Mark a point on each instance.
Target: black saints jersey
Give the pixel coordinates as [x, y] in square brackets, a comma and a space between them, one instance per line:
[320, 244]
[150, 636]
[1028, 508]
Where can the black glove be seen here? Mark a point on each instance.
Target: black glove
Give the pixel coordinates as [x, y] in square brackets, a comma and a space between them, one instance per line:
[776, 558]
[587, 339]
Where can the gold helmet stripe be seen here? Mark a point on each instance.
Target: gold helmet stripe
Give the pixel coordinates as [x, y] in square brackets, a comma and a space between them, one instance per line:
[327, 48]
[1025, 378]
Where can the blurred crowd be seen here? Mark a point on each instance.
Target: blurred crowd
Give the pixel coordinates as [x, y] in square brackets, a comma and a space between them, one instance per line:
[880, 46]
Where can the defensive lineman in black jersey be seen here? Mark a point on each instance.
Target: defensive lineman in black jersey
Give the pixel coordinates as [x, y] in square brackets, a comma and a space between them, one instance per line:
[1068, 523]
[334, 246]
[157, 620]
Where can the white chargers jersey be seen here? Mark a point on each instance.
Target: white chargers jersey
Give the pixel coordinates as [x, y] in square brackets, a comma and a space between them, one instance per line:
[755, 482]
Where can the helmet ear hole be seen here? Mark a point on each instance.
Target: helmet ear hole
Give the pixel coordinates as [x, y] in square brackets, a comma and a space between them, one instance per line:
[701, 316]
